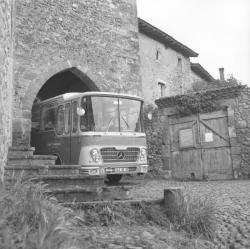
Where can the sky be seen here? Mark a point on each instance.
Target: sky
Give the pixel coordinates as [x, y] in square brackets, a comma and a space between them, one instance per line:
[218, 30]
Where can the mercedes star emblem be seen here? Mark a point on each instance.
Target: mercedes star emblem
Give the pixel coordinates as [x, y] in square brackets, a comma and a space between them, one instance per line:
[120, 155]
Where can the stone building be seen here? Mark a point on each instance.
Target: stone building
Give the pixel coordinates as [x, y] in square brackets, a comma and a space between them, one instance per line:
[91, 45]
[200, 76]
[53, 47]
[166, 69]
[5, 79]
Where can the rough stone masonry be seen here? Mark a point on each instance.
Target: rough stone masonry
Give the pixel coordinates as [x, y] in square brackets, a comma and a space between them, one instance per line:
[5, 80]
[97, 37]
[100, 38]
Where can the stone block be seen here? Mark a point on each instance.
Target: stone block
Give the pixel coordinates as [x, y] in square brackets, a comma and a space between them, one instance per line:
[236, 150]
[231, 121]
[173, 197]
[231, 131]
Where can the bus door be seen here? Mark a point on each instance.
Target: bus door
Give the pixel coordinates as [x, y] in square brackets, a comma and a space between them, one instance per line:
[63, 133]
[75, 142]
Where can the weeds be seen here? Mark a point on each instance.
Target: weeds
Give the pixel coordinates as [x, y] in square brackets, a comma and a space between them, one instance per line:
[194, 214]
[190, 213]
[30, 219]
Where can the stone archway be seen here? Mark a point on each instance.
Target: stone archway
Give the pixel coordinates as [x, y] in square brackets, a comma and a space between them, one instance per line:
[57, 80]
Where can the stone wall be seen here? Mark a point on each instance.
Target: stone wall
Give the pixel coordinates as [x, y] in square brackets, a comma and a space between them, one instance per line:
[154, 130]
[98, 37]
[5, 80]
[197, 81]
[171, 68]
[242, 128]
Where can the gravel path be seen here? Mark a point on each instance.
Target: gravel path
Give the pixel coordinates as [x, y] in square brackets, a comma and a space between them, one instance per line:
[232, 200]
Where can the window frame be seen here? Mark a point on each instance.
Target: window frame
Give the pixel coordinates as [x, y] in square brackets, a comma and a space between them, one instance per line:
[67, 119]
[162, 86]
[57, 120]
[74, 104]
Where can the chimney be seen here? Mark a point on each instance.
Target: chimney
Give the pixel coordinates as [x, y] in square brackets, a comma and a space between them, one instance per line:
[222, 78]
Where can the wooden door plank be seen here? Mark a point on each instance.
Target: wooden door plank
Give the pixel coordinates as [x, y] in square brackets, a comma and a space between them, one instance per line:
[213, 115]
[213, 130]
[182, 120]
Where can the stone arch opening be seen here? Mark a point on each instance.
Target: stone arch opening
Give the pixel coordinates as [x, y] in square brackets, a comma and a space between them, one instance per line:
[69, 80]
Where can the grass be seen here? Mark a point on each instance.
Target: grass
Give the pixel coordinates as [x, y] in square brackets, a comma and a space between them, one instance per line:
[31, 219]
[190, 213]
[193, 213]
[111, 213]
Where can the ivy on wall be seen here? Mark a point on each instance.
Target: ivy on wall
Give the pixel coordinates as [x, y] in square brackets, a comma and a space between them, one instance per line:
[199, 102]
[196, 103]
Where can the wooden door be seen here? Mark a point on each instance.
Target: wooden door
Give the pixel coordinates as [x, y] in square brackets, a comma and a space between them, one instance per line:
[215, 144]
[185, 148]
[200, 146]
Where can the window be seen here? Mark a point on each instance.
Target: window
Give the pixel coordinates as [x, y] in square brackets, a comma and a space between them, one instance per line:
[74, 117]
[157, 54]
[48, 118]
[111, 114]
[162, 87]
[67, 118]
[60, 120]
[179, 61]
[85, 122]
[186, 138]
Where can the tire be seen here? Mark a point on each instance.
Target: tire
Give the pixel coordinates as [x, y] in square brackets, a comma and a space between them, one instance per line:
[114, 178]
[58, 161]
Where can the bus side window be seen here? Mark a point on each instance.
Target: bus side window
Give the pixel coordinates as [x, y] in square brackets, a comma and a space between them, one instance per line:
[60, 120]
[84, 119]
[74, 117]
[67, 118]
[49, 119]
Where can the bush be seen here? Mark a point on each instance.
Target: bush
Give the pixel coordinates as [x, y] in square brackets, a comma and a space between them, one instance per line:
[30, 219]
[194, 214]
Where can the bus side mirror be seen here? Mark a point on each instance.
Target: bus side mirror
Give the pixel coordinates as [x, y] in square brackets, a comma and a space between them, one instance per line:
[150, 115]
[80, 111]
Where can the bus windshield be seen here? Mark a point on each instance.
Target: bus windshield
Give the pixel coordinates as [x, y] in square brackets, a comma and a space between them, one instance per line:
[111, 114]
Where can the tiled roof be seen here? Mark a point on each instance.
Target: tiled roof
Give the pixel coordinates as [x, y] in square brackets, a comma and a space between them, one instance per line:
[157, 34]
[199, 70]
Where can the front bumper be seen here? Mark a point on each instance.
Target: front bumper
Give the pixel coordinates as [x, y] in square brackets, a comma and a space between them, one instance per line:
[110, 169]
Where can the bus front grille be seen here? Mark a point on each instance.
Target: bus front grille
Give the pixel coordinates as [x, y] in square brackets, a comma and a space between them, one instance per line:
[110, 155]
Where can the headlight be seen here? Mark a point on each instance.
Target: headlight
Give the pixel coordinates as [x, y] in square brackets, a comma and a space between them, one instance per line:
[95, 155]
[143, 155]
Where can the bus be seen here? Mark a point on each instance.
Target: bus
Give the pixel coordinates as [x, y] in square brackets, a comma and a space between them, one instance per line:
[101, 132]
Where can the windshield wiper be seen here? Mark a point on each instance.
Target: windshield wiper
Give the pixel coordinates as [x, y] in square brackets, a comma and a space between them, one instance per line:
[128, 127]
[109, 123]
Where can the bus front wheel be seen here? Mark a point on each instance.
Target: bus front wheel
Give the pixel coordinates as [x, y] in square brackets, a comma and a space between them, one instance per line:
[114, 178]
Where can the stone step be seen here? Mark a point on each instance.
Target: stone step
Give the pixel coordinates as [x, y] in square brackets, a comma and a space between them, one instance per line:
[66, 181]
[136, 202]
[20, 151]
[64, 169]
[47, 169]
[24, 171]
[31, 171]
[33, 160]
[115, 192]
[90, 194]
[76, 194]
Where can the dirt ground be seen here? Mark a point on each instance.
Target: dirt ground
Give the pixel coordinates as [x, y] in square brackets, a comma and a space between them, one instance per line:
[232, 202]
[232, 205]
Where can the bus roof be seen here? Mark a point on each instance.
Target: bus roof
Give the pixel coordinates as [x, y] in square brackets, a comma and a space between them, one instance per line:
[75, 95]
